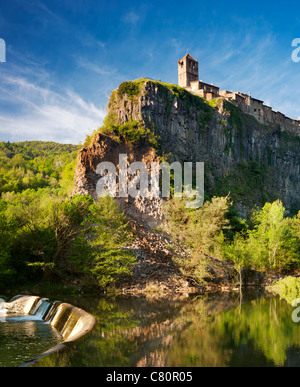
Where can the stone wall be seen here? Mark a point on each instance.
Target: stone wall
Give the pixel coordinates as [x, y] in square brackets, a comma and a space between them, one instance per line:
[263, 113]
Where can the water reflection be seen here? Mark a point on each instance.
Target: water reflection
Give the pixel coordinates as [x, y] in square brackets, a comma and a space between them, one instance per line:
[205, 331]
[22, 339]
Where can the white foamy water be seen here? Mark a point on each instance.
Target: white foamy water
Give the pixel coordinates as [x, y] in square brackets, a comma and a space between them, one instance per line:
[36, 314]
[2, 310]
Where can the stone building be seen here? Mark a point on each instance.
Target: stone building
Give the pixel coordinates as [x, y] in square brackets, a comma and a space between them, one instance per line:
[188, 78]
[187, 71]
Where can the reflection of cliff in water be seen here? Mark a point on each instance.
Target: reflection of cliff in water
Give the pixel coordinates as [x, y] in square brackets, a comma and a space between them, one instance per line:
[205, 331]
[160, 339]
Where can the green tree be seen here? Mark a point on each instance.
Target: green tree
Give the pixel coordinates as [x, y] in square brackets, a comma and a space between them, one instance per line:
[7, 230]
[98, 249]
[271, 244]
[239, 252]
[196, 234]
[272, 234]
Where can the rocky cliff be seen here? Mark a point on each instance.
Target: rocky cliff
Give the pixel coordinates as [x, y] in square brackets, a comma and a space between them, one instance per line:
[253, 162]
[150, 121]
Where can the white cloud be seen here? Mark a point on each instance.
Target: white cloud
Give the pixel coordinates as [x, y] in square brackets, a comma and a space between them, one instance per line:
[87, 65]
[249, 61]
[43, 114]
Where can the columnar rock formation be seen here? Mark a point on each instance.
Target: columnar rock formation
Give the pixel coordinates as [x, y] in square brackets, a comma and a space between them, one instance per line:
[234, 145]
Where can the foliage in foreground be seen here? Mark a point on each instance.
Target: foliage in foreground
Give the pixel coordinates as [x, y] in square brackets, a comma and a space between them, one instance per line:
[197, 234]
[287, 288]
[54, 238]
[269, 241]
[44, 234]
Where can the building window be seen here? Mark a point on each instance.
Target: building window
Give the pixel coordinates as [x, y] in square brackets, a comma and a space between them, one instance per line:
[182, 64]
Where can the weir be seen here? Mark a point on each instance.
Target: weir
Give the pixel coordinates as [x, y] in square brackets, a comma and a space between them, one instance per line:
[70, 321]
[2, 310]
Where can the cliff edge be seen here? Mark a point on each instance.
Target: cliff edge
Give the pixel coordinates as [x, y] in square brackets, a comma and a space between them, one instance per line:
[254, 162]
[152, 121]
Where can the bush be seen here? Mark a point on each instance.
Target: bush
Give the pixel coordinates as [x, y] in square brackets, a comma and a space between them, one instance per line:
[132, 132]
[287, 288]
[130, 88]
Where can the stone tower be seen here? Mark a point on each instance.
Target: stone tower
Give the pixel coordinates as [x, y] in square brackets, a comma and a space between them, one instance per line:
[187, 71]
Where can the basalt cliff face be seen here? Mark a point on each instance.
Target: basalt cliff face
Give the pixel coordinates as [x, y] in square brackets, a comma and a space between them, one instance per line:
[150, 121]
[253, 162]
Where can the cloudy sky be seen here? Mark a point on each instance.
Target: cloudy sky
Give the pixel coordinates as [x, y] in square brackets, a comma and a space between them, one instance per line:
[64, 57]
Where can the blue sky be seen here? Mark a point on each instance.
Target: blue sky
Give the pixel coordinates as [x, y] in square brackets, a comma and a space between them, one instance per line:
[63, 57]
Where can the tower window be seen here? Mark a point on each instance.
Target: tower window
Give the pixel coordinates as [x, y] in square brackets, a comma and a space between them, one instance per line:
[182, 64]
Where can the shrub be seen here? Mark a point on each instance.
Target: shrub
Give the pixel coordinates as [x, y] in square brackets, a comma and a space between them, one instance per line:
[287, 288]
[130, 88]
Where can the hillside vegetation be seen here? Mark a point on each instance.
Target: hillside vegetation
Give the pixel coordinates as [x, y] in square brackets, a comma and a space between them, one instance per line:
[46, 237]
[36, 164]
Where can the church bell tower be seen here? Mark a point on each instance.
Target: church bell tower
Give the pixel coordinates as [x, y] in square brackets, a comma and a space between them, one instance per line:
[187, 71]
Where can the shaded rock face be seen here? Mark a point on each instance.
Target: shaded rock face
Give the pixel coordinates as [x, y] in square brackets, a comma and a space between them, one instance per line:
[219, 134]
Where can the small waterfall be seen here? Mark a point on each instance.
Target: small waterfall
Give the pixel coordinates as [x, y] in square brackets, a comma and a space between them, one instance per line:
[36, 306]
[43, 309]
[40, 308]
[51, 311]
[2, 310]
[70, 321]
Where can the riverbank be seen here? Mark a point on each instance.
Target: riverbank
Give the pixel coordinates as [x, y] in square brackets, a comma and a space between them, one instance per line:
[156, 274]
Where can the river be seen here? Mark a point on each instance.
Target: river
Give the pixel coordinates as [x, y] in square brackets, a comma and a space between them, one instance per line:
[219, 330]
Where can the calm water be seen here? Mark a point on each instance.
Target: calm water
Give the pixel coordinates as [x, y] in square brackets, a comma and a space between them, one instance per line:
[214, 330]
[23, 338]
